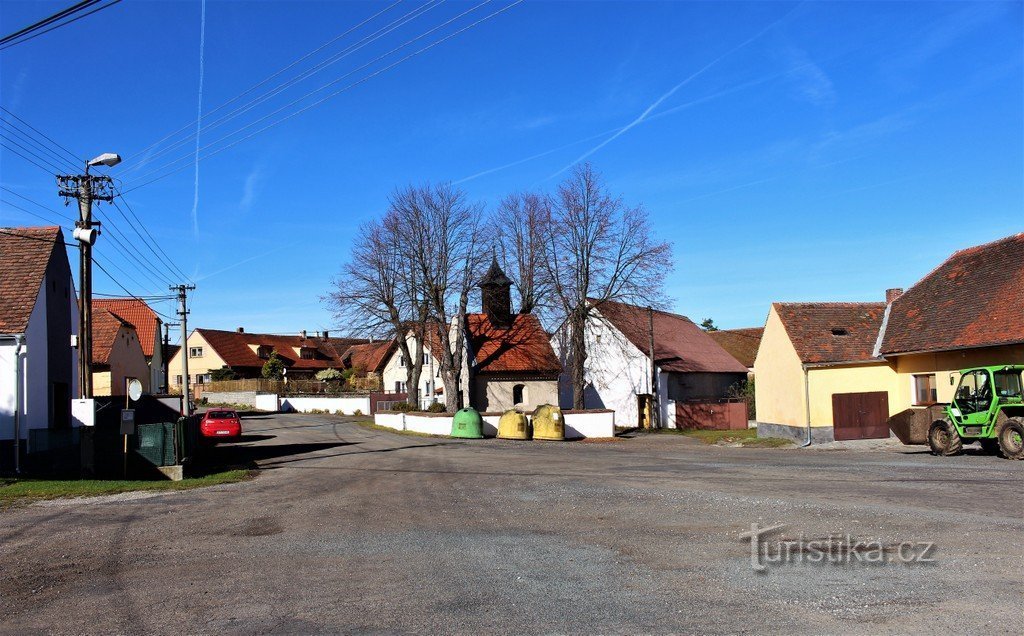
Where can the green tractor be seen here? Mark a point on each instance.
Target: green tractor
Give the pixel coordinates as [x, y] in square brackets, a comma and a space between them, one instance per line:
[988, 407]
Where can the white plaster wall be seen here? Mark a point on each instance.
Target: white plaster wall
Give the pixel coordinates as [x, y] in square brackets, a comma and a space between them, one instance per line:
[498, 394]
[430, 378]
[7, 390]
[37, 381]
[491, 424]
[430, 425]
[580, 425]
[347, 405]
[616, 370]
[266, 402]
[391, 420]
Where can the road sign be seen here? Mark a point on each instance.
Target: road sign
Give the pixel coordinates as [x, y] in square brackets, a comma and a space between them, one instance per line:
[128, 422]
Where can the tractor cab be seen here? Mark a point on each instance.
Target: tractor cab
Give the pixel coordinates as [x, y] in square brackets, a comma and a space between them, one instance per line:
[988, 406]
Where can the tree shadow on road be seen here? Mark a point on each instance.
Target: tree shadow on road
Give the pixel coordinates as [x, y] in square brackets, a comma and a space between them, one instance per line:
[219, 458]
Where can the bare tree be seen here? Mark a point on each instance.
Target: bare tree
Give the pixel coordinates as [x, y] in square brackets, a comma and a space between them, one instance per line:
[441, 232]
[599, 250]
[520, 228]
[375, 293]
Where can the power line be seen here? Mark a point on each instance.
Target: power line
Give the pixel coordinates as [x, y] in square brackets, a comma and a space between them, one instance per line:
[126, 246]
[267, 79]
[54, 167]
[43, 135]
[12, 39]
[162, 255]
[51, 211]
[38, 144]
[49, 171]
[8, 232]
[327, 97]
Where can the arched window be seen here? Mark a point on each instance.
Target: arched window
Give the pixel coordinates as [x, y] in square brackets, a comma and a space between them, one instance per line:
[519, 394]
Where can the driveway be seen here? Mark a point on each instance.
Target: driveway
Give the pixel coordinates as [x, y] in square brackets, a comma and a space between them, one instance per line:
[351, 530]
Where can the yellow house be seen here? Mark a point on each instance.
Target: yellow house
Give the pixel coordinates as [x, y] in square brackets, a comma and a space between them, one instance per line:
[968, 312]
[117, 355]
[817, 376]
[838, 370]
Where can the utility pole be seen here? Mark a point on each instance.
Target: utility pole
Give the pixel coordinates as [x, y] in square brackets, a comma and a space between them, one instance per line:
[87, 188]
[183, 314]
[654, 375]
[166, 358]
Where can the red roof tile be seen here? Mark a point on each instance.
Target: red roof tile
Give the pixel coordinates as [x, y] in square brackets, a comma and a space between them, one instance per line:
[371, 357]
[137, 312]
[105, 327]
[233, 347]
[23, 262]
[523, 348]
[974, 299]
[679, 345]
[832, 332]
[741, 344]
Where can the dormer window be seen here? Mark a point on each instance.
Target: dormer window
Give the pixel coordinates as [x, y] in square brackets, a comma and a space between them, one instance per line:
[264, 351]
[307, 354]
[840, 332]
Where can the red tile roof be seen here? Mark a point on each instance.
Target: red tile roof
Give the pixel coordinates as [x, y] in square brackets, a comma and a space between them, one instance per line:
[234, 348]
[741, 344]
[23, 262]
[137, 312]
[679, 345]
[105, 327]
[832, 332]
[523, 348]
[974, 299]
[371, 357]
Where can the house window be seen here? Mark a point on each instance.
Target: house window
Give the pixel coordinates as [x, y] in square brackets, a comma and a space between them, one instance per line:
[518, 394]
[195, 352]
[401, 360]
[202, 378]
[597, 338]
[840, 332]
[307, 354]
[925, 392]
[178, 380]
[426, 358]
[263, 351]
[399, 387]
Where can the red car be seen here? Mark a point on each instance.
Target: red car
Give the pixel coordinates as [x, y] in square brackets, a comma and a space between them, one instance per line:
[220, 424]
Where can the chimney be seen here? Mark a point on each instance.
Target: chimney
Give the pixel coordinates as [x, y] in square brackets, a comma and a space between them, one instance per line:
[326, 334]
[303, 334]
[892, 294]
[241, 330]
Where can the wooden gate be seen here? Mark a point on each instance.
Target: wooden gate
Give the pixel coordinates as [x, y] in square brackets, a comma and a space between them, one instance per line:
[860, 415]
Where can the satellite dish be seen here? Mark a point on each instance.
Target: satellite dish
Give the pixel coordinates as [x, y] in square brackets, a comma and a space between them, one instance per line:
[135, 390]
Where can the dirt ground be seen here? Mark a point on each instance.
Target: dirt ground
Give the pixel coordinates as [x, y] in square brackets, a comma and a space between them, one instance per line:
[352, 530]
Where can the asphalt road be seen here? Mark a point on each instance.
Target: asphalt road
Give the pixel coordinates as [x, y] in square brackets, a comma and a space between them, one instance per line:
[352, 530]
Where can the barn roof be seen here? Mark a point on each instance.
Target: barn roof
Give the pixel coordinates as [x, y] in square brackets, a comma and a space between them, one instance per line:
[832, 332]
[25, 253]
[522, 348]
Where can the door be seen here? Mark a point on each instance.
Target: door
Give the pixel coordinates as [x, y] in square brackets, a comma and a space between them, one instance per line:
[973, 398]
[860, 415]
[643, 410]
[61, 405]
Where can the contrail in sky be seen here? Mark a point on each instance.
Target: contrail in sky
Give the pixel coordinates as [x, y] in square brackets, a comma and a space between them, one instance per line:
[644, 115]
[202, 48]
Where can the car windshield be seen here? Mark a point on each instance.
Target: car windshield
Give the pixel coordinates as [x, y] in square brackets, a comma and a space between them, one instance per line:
[1008, 384]
[221, 415]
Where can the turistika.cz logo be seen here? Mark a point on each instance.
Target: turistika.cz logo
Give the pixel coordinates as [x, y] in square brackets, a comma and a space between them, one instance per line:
[835, 549]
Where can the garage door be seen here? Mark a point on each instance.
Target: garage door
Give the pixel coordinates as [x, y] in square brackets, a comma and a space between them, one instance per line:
[860, 415]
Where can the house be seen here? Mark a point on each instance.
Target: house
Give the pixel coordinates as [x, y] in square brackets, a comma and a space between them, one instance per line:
[38, 317]
[841, 370]
[817, 372]
[369, 359]
[117, 355]
[510, 362]
[967, 312]
[245, 354]
[148, 326]
[741, 344]
[691, 367]
[395, 373]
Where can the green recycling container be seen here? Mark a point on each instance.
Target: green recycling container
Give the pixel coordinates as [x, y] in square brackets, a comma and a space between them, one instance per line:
[548, 423]
[513, 425]
[467, 423]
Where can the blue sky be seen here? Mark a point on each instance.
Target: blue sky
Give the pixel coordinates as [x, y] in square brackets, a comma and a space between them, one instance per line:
[789, 151]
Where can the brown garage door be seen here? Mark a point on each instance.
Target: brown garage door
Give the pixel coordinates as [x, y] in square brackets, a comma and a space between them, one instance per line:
[860, 415]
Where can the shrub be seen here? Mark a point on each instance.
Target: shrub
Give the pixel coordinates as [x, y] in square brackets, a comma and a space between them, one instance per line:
[436, 407]
[328, 375]
[357, 412]
[403, 407]
[273, 369]
[222, 374]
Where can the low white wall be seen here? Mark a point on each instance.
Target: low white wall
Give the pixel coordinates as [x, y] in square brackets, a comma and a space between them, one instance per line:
[347, 405]
[491, 425]
[670, 415]
[595, 424]
[431, 425]
[391, 420]
[266, 402]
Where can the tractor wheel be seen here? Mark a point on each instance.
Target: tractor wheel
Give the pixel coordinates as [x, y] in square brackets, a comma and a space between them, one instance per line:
[944, 440]
[1011, 438]
[990, 445]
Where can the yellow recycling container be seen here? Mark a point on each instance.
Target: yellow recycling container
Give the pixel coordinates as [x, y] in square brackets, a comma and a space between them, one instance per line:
[513, 425]
[548, 423]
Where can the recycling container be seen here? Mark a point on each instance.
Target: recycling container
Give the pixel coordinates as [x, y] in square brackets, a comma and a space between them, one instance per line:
[548, 423]
[468, 424]
[513, 425]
